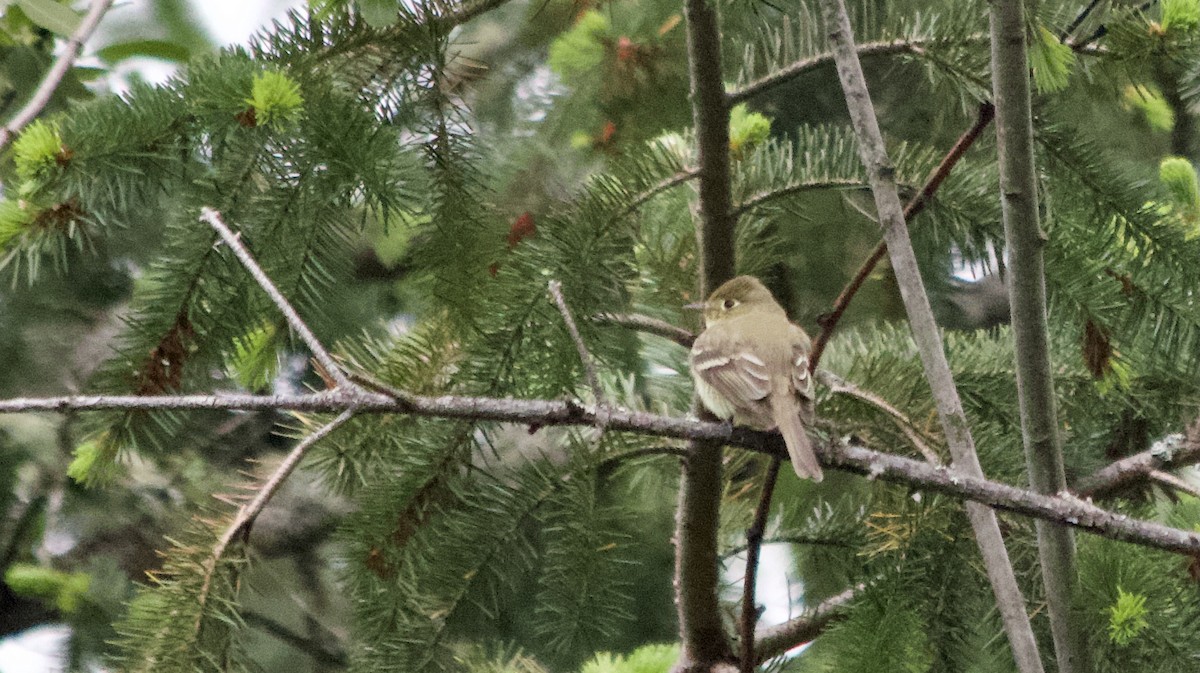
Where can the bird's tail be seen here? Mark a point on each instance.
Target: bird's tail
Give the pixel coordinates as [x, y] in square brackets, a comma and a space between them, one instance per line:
[786, 413]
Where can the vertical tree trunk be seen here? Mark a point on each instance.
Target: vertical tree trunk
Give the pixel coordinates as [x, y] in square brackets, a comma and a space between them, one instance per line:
[697, 519]
[1027, 293]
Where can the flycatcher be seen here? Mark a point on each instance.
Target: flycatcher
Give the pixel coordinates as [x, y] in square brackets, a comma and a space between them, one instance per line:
[751, 365]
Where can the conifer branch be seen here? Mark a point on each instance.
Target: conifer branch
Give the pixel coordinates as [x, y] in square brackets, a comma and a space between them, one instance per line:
[926, 335]
[641, 198]
[757, 199]
[914, 474]
[247, 513]
[1031, 336]
[54, 76]
[797, 68]
[775, 640]
[754, 540]
[589, 365]
[809, 63]
[322, 356]
[915, 206]
[702, 635]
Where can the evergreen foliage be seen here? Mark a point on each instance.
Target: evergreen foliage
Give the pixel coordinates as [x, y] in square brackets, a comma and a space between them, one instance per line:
[358, 131]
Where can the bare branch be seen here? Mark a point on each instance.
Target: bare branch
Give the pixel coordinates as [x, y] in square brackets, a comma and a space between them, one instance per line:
[754, 539]
[926, 335]
[644, 323]
[1063, 508]
[589, 365]
[54, 76]
[213, 219]
[775, 640]
[331, 656]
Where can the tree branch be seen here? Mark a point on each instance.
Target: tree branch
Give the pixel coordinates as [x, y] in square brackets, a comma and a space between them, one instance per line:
[644, 323]
[640, 199]
[1171, 452]
[794, 539]
[321, 654]
[702, 635]
[754, 539]
[1027, 297]
[332, 368]
[54, 76]
[1009, 599]
[758, 198]
[916, 474]
[804, 65]
[1174, 481]
[775, 640]
[589, 366]
[830, 320]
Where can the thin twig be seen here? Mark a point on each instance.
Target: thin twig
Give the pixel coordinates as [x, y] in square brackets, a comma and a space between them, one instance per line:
[840, 542]
[320, 654]
[837, 384]
[589, 365]
[830, 320]
[926, 335]
[757, 199]
[1085, 45]
[644, 323]
[797, 68]
[322, 356]
[1078, 21]
[1175, 482]
[23, 515]
[754, 538]
[54, 76]
[246, 514]
[654, 190]
[775, 640]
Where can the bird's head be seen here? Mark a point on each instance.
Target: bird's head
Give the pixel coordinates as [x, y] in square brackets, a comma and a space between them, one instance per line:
[737, 297]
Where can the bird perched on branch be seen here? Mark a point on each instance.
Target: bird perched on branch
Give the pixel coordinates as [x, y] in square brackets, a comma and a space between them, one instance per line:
[750, 366]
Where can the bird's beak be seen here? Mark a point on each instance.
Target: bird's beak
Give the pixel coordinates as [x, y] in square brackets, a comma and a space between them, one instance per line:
[696, 306]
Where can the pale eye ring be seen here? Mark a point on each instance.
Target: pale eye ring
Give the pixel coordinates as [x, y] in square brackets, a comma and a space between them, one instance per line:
[729, 303]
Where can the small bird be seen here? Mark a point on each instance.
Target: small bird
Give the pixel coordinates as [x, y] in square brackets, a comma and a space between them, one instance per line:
[751, 365]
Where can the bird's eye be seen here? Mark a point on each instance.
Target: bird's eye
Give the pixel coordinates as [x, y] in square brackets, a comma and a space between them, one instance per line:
[729, 303]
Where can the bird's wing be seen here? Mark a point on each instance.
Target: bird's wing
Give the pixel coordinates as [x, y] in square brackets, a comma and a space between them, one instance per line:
[802, 379]
[731, 368]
